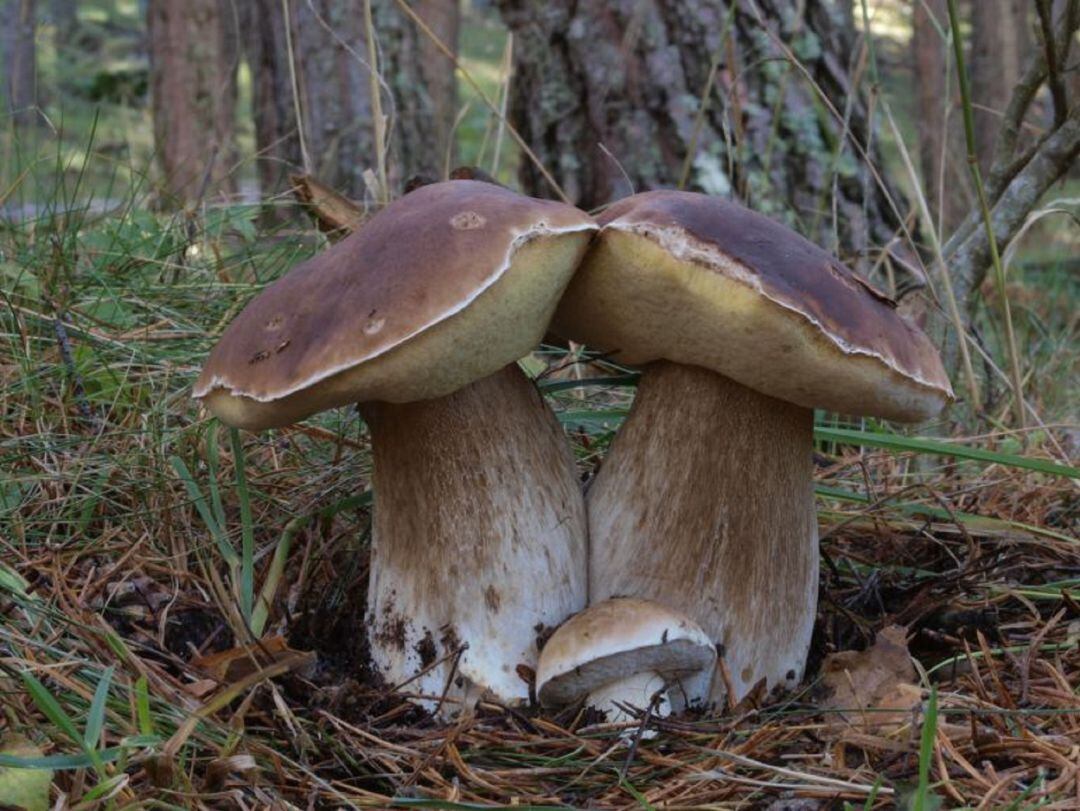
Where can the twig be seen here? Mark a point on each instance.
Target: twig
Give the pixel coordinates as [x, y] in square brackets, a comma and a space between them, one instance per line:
[976, 176]
[64, 343]
[1057, 89]
[500, 130]
[703, 101]
[811, 781]
[378, 121]
[304, 157]
[650, 711]
[951, 302]
[1005, 166]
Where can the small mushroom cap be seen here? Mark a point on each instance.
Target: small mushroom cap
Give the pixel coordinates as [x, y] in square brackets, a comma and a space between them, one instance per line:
[444, 286]
[620, 637]
[700, 280]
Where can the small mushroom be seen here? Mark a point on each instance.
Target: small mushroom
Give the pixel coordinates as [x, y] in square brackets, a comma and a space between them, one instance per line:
[623, 654]
[705, 501]
[419, 316]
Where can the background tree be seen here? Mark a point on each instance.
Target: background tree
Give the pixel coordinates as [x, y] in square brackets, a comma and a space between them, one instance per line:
[193, 92]
[609, 95]
[635, 94]
[333, 99]
[1000, 42]
[18, 61]
[65, 19]
[945, 178]
[1021, 170]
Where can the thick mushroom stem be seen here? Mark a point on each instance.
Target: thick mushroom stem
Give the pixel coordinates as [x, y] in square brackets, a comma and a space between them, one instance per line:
[636, 690]
[479, 539]
[705, 503]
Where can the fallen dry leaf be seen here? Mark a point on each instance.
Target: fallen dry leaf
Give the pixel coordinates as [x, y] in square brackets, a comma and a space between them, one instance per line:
[234, 664]
[874, 689]
[27, 789]
[334, 213]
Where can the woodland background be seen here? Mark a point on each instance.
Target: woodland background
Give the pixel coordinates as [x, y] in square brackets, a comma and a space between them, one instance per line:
[147, 151]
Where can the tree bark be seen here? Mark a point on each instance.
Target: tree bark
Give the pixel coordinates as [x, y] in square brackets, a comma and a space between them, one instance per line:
[436, 73]
[941, 145]
[608, 94]
[330, 55]
[1000, 42]
[18, 94]
[193, 94]
[65, 18]
[266, 48]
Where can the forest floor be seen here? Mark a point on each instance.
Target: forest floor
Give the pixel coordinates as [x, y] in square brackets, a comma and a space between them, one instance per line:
[136, 534]
[139, 542]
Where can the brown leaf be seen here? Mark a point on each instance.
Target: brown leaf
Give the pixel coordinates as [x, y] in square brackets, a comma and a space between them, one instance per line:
[234, 664]
[223, 768]
[874, 689]
[334, 213]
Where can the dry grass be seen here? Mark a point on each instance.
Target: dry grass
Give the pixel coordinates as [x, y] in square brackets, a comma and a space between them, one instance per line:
[109, 559]
[108, 563]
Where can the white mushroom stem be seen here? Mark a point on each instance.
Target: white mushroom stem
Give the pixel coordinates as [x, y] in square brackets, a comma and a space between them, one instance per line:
[636, 690]
[705, 504]
[479, 539]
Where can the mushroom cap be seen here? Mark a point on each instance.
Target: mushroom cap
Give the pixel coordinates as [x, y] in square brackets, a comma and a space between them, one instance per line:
[705, 281]
[620, 637]
[442, 287]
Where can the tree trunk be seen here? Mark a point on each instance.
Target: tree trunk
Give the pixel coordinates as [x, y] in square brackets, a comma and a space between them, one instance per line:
[1000, 42]
[941, 143]
[193, 92]
[608, 94]
[437, 74]
[329, 47]
[65, 19]
[266, 48]
[18, 94]
[1021, 172]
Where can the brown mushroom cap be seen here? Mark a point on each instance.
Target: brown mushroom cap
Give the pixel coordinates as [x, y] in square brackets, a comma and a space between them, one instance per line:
[705, 281]
[444, 286]
[618, 638]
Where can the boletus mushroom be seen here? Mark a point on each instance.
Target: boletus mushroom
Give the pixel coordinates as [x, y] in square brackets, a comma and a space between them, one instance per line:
[705, 501]
[626, 654]
[419, 316]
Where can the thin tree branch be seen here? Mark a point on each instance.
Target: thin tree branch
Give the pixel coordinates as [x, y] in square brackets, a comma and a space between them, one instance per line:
[969, 260]
[1057, 88]
[1006, 165]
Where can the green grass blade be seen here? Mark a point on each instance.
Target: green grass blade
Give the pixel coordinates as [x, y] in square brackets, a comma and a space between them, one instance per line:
[923, 799]
[871, 798]
[247, 529]
[935, 447]
[83, 761]
[104, 788]
[199, 500]
[274, 574]
[212, 473]
[95, 719]
[637, 795]
[50, 706]
[142, 706]
[52, 710]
